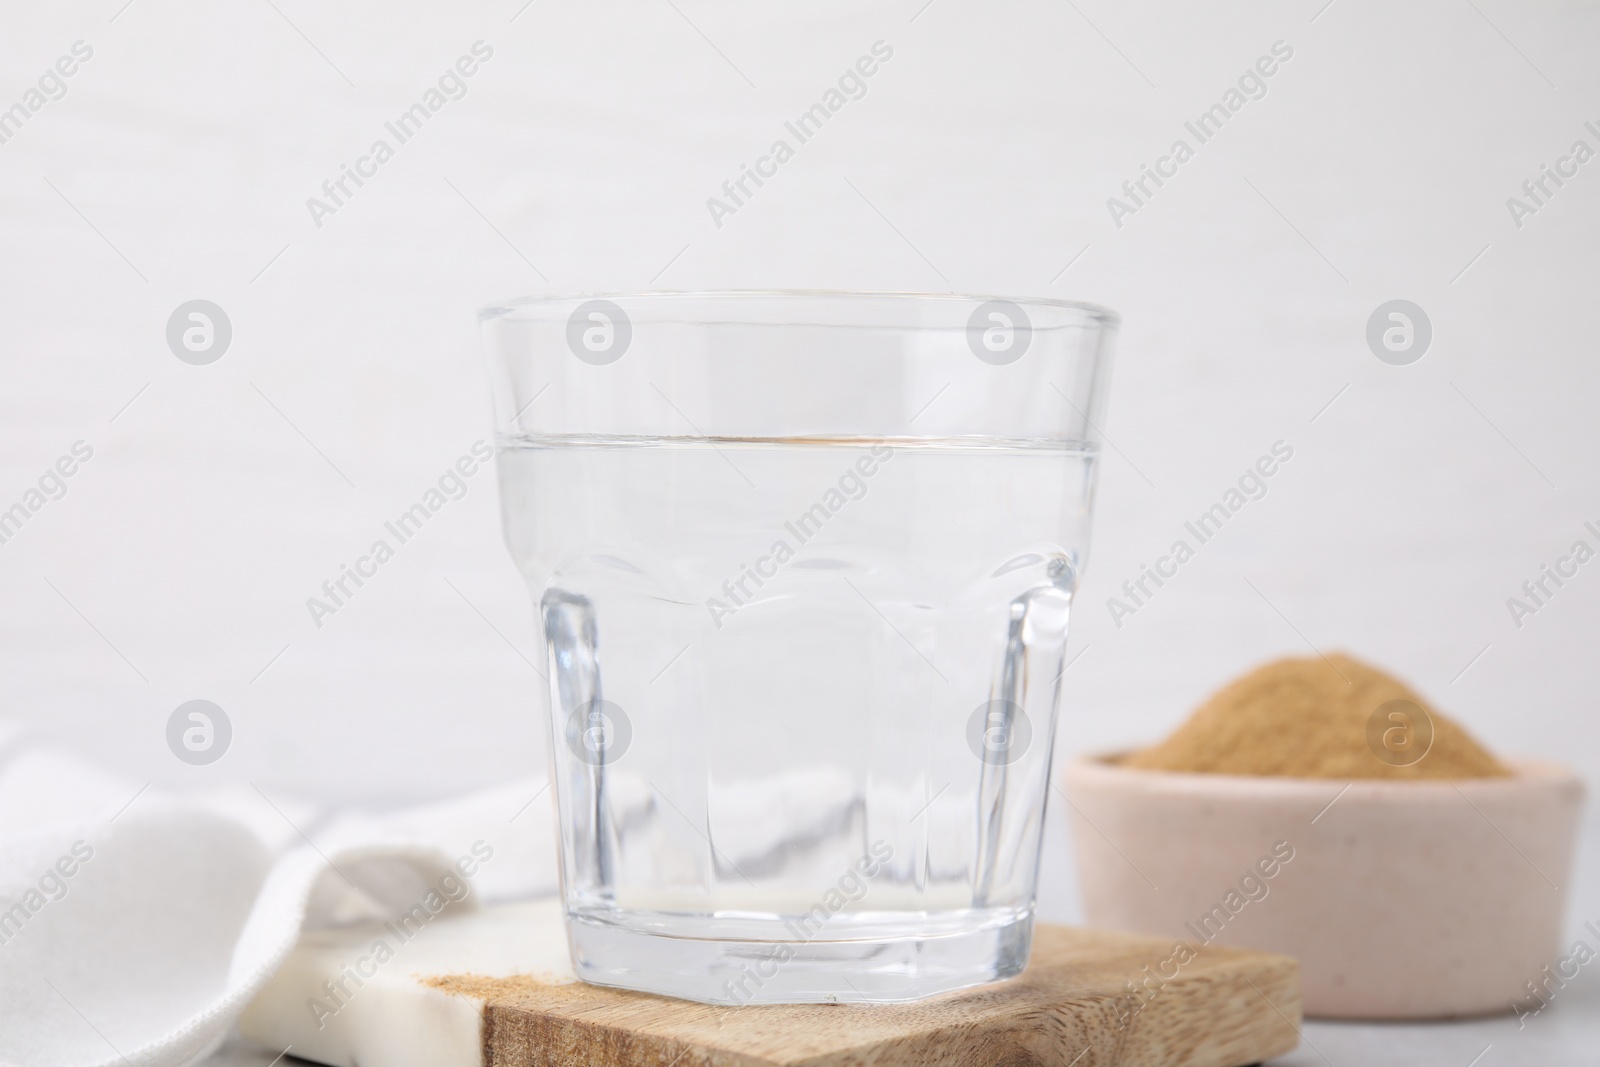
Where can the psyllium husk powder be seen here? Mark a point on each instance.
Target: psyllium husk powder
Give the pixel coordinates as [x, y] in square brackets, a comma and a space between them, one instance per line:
[1320, 718]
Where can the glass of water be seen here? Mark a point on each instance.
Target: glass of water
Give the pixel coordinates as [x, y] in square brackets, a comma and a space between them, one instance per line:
[803, 563]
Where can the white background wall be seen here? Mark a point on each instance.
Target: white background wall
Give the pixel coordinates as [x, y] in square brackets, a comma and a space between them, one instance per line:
[1377, 166]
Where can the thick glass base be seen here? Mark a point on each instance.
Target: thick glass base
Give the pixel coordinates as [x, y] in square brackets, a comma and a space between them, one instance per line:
[738, 971]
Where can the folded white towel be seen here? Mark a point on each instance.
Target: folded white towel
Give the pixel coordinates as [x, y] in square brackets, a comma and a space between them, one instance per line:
[135, 926]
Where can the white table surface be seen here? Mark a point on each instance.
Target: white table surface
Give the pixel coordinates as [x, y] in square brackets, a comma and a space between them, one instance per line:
[1565, 1035]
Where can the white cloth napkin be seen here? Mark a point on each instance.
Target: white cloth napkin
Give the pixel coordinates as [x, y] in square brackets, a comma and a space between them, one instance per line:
[135, 926]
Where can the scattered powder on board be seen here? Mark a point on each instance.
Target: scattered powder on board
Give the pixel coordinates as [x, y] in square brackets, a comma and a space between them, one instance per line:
[1308, 718]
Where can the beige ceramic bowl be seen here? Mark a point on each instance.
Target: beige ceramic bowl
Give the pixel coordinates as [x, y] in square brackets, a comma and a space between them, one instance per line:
[1400, 899]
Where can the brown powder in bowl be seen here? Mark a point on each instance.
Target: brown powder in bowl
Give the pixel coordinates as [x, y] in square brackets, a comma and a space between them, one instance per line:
[1315, 718]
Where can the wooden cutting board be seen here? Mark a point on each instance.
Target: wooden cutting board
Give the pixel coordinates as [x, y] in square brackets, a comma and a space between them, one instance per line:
[492, 989]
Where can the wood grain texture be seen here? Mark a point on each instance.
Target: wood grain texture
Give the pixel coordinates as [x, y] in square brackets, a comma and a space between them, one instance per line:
[1072, 1007]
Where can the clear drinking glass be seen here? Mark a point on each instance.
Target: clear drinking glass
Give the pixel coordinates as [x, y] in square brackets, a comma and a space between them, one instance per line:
[803, 564]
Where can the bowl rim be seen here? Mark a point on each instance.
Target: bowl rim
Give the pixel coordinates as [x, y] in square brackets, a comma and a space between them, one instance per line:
[1526, 772]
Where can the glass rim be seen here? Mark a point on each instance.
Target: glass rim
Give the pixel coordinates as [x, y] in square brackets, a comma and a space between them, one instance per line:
[1099, 313]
